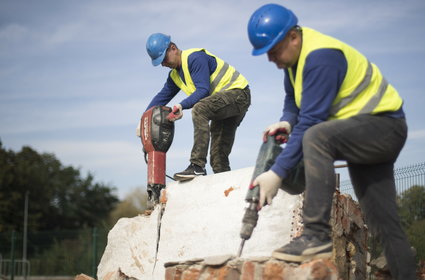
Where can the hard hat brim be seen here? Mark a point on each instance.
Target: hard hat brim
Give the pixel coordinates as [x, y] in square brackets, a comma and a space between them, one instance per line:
[157, 61]
[256, 52]
[265, 49]
[273, 43]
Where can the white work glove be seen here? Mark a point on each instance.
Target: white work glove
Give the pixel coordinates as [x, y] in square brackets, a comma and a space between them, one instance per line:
[275, 128]
[138, 129]
[269, 183]
[176, 114]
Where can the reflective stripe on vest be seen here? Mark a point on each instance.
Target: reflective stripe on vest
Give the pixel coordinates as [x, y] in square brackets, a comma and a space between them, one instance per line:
[224, 77]
[364, 89]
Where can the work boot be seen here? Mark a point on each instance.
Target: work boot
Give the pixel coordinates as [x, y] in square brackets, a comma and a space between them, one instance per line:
[191, 172]
[303, 248]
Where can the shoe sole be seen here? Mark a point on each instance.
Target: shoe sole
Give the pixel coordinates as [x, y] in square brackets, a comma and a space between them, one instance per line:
[307, 254]
[186, 177]
[317, 250]
[301, 258]
[181, 178]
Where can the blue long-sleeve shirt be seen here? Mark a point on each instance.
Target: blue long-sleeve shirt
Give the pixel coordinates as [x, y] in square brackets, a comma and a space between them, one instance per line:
[201, 66]
[323, 74]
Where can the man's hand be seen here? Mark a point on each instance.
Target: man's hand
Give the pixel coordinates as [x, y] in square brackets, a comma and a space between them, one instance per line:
[138, 129]
[176, 114]
[269, 183]
[275, 128]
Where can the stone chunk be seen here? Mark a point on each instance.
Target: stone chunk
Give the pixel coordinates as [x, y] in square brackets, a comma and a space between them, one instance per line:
[217, 260]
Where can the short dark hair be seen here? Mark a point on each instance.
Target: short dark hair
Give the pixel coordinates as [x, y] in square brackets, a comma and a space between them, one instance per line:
[296, 28]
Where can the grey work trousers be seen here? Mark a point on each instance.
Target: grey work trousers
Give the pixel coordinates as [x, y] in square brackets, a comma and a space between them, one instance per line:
[370, 145]
[225, 110]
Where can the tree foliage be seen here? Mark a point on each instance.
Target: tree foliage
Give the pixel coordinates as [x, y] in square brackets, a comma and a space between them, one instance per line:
[59, 196]
[412, 214]
[412, 205]
[132, 205]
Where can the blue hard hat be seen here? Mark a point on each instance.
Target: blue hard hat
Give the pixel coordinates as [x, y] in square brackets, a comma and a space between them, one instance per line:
[156, 46]
[268, 25]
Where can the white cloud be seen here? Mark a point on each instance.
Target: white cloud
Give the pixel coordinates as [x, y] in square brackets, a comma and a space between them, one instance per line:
[12, 32]
[417, 134]
[86, 69]
[95, 154]
[26, 118]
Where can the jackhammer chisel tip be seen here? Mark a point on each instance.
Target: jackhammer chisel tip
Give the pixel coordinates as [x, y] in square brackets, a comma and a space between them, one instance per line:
[241, 248]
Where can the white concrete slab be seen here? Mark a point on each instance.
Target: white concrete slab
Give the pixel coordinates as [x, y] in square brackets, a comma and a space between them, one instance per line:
[131, 248]
[202, 218]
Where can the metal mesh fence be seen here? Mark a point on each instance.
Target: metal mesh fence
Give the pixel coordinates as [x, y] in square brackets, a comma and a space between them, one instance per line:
[51, 253]
[410, 187]
[405, 177]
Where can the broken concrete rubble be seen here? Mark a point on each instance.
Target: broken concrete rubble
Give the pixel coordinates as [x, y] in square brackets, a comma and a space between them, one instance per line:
[200, 232]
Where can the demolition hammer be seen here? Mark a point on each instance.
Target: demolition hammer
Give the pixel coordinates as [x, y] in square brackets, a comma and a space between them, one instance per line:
[294, 184]
[157, 133]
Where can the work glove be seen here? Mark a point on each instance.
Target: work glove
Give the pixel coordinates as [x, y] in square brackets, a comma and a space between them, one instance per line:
[176, 114]
[280, 130]
[138, 128]
[269, 183]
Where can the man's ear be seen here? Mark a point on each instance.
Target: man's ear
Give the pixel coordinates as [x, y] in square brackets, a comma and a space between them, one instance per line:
[293, 34]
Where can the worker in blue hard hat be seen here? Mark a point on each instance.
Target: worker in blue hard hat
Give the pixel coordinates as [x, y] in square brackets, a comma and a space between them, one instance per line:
[338, 106]
[218, 95]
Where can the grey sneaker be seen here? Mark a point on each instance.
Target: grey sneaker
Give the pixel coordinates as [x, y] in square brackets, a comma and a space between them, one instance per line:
[303, 248]
[191, 172]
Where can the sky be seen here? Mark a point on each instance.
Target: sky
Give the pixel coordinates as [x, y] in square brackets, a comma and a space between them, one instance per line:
[75, 77]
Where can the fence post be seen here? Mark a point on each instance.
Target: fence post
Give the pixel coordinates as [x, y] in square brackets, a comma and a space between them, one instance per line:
[12, 256]
[94, 242]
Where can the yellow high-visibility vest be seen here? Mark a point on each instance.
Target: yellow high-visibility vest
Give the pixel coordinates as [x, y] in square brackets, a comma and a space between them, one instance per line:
[225, 76]
[364, 89]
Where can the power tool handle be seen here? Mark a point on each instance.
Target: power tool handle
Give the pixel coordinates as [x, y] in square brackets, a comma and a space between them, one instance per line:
[173, 114]
[269, 150]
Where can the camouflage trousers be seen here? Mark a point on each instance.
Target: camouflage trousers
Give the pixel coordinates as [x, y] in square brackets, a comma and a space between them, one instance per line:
[217, 117]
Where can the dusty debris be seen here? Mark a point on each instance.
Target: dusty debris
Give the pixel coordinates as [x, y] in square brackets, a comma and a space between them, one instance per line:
[163, 197]
[147, 212]
[226, 192]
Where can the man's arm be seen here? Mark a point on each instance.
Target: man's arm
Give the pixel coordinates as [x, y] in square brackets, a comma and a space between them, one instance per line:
[166, 94]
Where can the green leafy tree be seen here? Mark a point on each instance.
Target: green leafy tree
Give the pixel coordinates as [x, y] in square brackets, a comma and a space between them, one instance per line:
[416, 234]
[412, 205]
[132, 205]
[59, 197]
[412, 214]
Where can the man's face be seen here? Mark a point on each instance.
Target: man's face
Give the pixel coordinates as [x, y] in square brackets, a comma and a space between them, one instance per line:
[172, 58]
[285, 53]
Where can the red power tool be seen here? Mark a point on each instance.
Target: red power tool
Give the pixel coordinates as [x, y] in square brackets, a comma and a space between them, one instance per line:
[157, 134]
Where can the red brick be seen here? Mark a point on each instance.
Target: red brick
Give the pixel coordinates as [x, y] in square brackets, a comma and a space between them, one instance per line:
[83, 276]
[169, 273]
[248, 271]
[220, 273]
[273, 271]
[319, 271]
[192, 273]
[174, 273]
